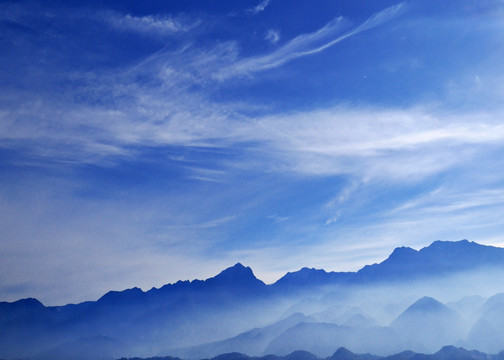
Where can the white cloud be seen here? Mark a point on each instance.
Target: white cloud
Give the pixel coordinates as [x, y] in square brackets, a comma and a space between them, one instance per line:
[366, 143]
[272, 36]
[161, 111]
[306, 44]
[369, 145]
[260, 7]
[150, 24]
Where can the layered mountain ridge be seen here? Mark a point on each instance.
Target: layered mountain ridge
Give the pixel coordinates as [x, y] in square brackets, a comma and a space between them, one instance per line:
[445, 353]
[382, 309]
[438, 259]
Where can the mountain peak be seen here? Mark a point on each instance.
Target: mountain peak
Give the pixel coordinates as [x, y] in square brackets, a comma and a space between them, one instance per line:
[128, 296]
[402, 252]
[237, 270]
[29, 302]
[236, 276]
[427, 304]
[344, 354]
[443, 243]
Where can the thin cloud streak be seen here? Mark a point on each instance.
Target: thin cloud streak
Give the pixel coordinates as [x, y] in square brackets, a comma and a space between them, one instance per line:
[442, 200]
[162, 111]
[260, 7]
[149, 24]
[307, 44]
[366, 142]
[124, 114]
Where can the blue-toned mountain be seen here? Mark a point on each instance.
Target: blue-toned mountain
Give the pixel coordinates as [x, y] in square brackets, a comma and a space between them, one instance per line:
[440, 259]
[187, 314]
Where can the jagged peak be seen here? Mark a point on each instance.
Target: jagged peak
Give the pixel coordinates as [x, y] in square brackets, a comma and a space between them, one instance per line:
[127, 295]
[311, 270]
[236, 269]
[237, 274]
[402, 251]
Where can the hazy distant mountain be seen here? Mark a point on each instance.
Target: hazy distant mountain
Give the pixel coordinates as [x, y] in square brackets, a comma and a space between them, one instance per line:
[343, 314]
[252, 342]
[360, 321]
[468, 306]
[424, 326]
[188, 314]
[428, 324]
[487, 333]
[91, 348]
[322, 338]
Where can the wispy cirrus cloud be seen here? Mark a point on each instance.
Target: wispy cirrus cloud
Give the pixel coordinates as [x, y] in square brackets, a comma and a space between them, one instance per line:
[149, 103]
[150, 24]
[259, 7]
[307, 44]
[368, 143]
[221, 162]
[272, 36]
[153, 103]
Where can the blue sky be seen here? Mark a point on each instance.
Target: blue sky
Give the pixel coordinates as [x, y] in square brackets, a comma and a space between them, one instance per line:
[146, 142]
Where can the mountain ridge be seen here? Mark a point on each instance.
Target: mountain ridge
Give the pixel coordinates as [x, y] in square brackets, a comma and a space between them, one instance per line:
[433, 260]
[187, 314]
[448, 352]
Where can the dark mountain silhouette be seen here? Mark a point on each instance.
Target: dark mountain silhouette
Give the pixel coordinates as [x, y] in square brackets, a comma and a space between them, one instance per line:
[306, 277]
[179, 312]
[440, 259]
[20, 308]
[445, 353]
[345, 354]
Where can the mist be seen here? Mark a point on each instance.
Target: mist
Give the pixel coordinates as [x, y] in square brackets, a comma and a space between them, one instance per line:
[236, 312]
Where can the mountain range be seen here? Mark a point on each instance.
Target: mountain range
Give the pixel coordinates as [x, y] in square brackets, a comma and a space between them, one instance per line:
[445, 353]
[380, 309]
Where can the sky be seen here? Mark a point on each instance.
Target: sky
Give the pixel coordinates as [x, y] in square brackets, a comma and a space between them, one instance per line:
[145, 142]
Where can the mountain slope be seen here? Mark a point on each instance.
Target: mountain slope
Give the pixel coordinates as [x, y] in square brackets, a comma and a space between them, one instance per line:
[322, 338]
[445, 353]
[487, 333]
[190, 313]
[428, 324]
[252, 342]
[439, 259]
